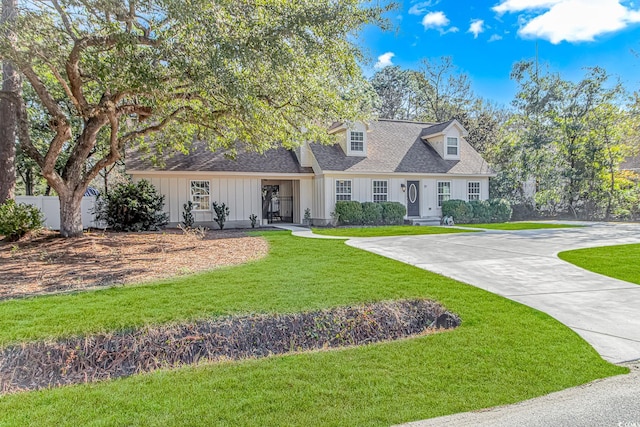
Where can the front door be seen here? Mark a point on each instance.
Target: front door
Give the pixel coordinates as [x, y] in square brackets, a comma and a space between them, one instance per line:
[413, 198]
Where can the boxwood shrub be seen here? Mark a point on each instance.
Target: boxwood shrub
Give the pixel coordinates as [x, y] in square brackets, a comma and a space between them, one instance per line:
[371, 213]
[477, 211]
[349, 212]
[17, 219]
[393, 212]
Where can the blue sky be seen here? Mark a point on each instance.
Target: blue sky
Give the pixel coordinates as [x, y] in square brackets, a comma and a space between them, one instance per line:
[485, 38]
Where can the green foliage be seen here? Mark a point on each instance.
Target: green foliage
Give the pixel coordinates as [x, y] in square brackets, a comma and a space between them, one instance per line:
[481, 211]
[393, 213]
[221, 212]
[460, 210]
[17, 219]
[187, 216]
[477, 211]
[254, 219]
[500, 210]
[132, 207]
[371, 213]
[307, 215]
[349, 212]
[226, 73]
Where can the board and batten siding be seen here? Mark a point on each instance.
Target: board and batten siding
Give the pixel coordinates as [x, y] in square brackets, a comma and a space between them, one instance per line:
[243, 196]
[362, 190]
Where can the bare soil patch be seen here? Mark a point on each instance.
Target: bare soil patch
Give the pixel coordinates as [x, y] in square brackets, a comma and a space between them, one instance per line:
[45, 263]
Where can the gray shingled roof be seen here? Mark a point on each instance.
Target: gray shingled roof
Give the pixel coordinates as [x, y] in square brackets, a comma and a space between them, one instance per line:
[631, 163]
[277, 160]
[396, 147]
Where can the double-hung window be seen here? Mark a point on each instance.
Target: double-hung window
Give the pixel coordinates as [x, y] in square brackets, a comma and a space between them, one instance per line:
[201, 195]
[473, 190]
[444, 192]
[343, 189]
[356, 140]
[380, 191]
[452, 146]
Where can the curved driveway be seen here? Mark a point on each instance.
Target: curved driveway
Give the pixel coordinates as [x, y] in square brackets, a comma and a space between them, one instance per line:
[523, 266]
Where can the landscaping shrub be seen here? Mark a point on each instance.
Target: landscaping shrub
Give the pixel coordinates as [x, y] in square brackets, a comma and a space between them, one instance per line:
[17, 219]
[349, 212]
[524, 211]
[481, 211]
[222, 213]
[78, 360]
[500, 210]
[393, 213]
[187, 216]
[460, 210]
[132, 207]
[371, 213]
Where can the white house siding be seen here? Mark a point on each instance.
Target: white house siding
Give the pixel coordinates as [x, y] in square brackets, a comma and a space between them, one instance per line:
[50, 207]
[241, 193]
[362, 190]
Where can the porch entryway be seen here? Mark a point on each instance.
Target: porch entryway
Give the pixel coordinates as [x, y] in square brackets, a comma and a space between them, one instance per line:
[278, 202]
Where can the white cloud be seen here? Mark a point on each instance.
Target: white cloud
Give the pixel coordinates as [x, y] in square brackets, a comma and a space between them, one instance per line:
[435, 20]
[570, 20]
[384, 60]
[495, 38]
[420, 8]
[476, 27]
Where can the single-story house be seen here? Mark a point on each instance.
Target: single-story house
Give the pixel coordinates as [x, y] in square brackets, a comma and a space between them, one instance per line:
[417, 164]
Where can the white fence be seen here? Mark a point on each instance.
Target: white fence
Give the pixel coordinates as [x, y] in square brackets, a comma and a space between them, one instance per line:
[50, 207]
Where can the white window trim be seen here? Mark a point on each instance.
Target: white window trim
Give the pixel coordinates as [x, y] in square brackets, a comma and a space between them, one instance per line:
[361, 153]
[343, 194]
[191, 193]
[373, 190]
[479, 193]
[457, 146]
[438, 193]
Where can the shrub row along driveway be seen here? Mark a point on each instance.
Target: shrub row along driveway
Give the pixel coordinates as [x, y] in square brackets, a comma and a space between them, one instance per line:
[523, 266]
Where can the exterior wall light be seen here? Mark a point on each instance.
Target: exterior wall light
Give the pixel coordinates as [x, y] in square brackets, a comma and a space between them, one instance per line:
[404, 187]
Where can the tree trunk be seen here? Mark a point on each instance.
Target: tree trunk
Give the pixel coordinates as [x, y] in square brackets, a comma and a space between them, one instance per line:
[8, 116]
[70, 214]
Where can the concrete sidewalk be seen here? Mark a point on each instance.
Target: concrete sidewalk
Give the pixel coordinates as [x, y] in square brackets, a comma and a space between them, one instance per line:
[523, 266]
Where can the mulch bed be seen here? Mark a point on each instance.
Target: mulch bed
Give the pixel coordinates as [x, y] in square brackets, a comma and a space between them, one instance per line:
[45, 263]
[32, 366]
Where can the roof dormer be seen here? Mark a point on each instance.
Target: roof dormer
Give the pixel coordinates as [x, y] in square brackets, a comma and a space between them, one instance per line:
[446, 138]
[352, 138]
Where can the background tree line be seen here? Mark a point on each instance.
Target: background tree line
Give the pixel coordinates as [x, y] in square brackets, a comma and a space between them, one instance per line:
[557, 149]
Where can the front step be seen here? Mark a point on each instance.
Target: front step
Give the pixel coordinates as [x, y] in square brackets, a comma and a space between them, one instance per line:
[430, 220]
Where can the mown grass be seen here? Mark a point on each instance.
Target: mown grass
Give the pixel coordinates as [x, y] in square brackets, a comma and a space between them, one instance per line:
[503, 352]
[513, 226]
[387, 230]
[619, 262]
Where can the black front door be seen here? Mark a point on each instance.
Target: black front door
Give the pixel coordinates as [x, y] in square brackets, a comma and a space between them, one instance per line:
[413, 198]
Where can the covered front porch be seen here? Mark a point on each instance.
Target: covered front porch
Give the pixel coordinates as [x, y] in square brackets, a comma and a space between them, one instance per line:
[281, 202]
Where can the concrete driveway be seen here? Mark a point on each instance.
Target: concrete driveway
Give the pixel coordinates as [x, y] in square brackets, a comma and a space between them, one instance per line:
[523, 266]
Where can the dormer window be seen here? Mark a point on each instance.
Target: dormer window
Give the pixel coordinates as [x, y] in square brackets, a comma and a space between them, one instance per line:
[453, 148]
[356, 140]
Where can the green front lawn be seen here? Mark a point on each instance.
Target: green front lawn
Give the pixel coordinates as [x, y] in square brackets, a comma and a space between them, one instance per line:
[387, 230]
[619, 262]
[504, 352]
[512, 226]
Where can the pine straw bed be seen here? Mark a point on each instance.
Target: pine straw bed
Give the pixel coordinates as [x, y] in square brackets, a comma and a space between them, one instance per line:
[46, 264]
[31, 366]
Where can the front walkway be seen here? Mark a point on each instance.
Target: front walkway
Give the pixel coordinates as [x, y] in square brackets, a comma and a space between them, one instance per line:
[523, 266]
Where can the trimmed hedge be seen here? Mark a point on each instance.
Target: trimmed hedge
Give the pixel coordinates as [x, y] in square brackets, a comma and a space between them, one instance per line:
[370, 213]
[477, 211]
[393, 213]
[349, 212]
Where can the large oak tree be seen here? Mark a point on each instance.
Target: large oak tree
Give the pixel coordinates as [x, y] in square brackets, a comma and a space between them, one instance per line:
[163, 73]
